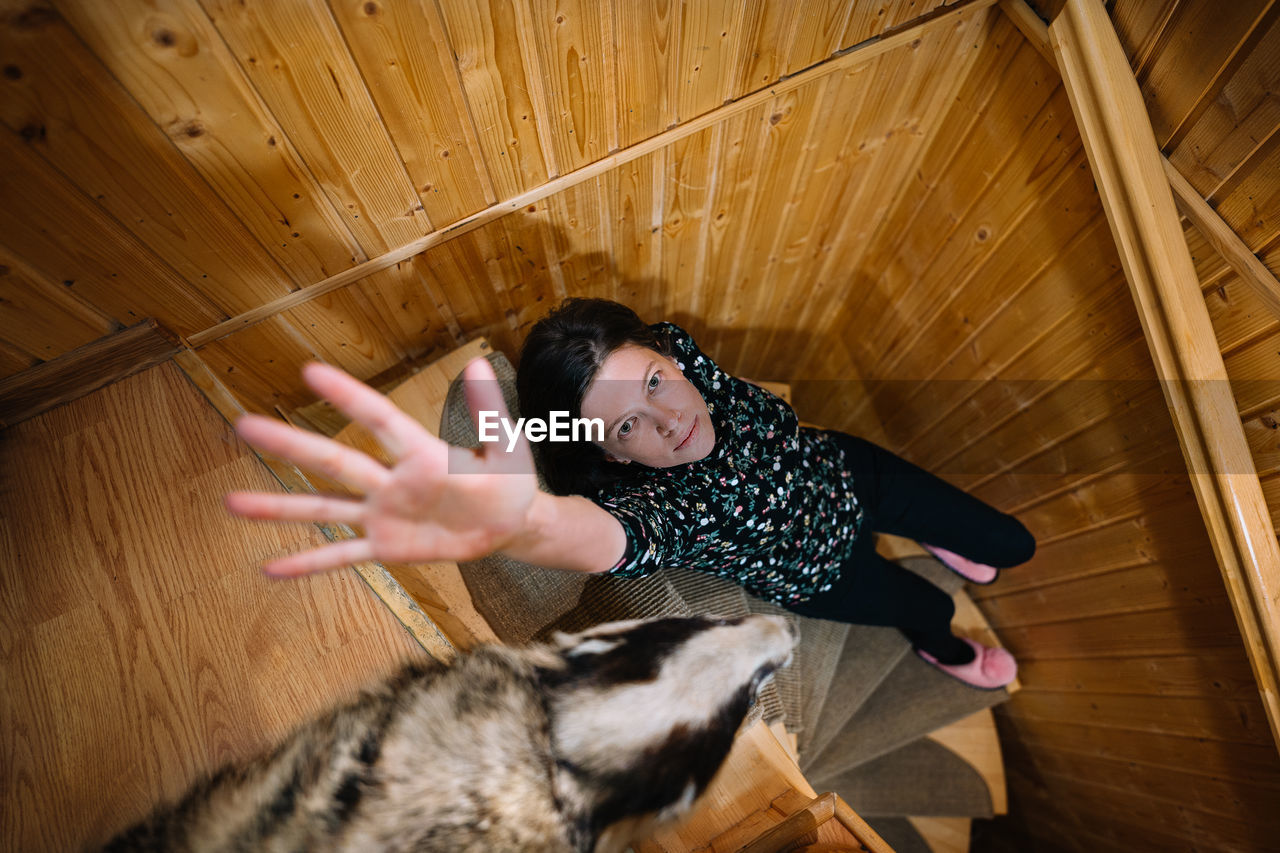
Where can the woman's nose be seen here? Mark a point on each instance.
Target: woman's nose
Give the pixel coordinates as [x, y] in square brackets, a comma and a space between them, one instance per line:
[670, 421]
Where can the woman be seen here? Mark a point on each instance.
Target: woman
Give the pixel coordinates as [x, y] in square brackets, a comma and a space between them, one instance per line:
[696, 468]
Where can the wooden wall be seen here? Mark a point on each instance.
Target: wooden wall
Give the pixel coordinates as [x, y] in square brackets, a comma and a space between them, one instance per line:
[923, 219]
[196, 161]
[1004, 350]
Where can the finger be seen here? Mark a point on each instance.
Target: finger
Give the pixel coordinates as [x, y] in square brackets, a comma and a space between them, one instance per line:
[343, 464]
[484, 394]
[348, 552]
[277, 507]
[393, 428]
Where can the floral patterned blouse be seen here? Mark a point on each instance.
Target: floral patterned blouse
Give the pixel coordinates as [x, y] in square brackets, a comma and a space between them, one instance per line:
[771, 507]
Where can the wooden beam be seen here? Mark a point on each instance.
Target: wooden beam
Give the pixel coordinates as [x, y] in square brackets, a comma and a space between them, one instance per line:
[786, 834]
[84, 369]
[1144, 221]
[862, 830]
[855, 55]
[1220, 235]
[1030, 25]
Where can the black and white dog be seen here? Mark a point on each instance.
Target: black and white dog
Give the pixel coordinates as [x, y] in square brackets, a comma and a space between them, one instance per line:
[562, 746]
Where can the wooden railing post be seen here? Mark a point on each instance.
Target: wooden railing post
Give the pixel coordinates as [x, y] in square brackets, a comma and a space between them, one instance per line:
[1135, 192]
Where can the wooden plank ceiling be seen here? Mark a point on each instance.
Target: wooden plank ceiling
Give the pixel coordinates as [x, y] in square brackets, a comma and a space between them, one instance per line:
[192, 161]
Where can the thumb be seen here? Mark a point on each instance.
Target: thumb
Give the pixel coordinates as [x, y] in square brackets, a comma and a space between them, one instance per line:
[484, 395]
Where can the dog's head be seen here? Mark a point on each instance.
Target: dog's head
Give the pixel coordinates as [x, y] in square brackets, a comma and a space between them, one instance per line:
[643, 713]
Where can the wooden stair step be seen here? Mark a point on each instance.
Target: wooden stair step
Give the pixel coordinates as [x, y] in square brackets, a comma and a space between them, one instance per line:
[976, 740]
[921, 778]
[868, 657]
[901, 834]
[944, 834]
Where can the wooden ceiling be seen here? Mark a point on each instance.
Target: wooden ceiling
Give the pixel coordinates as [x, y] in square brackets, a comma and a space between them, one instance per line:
[191, 162]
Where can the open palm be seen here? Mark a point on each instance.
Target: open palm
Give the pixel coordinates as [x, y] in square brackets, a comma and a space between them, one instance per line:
[435, 502]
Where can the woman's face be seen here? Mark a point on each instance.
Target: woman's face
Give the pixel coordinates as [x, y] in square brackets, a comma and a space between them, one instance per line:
[651, 413]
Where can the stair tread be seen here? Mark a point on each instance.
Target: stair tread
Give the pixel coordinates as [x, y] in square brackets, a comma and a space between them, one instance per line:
[922, 778]
[900, 834]
[944, 834]
[869, 655]
[976, 740]
[822, 643]
[914, 700]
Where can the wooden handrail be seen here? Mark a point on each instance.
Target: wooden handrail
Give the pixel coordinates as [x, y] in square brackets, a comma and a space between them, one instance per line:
[1135, 193]
[1233, 250]
[861, 830]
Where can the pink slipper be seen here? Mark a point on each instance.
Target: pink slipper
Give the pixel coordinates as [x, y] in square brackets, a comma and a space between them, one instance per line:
[979, 573]
[990, 669]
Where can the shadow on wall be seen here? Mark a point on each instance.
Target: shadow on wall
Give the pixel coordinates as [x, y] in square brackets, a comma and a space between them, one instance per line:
[498, 280]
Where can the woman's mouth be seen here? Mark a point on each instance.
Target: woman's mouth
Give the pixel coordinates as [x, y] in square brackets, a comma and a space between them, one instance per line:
[693, 430]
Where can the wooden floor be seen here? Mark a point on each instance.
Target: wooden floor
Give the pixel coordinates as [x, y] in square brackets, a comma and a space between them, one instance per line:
[140, 643]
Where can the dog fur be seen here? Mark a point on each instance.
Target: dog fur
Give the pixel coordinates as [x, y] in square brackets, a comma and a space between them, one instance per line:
[543, 748]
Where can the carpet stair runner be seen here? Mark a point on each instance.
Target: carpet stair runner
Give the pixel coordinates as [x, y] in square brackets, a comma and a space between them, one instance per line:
[857, 704]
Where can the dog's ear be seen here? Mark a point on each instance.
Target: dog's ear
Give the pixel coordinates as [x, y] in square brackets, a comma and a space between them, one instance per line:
[609, 631]
[579, 647]
[584, 643]
[562, 641]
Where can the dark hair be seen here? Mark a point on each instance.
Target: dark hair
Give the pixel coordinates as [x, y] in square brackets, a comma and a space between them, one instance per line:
[559, 360]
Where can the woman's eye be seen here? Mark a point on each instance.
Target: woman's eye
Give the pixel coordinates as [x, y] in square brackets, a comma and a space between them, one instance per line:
[624, 429]
[653, 381]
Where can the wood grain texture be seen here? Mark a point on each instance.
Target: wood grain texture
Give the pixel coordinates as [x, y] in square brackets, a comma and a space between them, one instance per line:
[1170, 787]
[575, 47]
[900, 39]
[178, 69]
[502, 81]
[69, 238]
[1235, 123]
[1131, 531]
[122, 682]
[944, 834]
[298, 61]
[41, 317]
[84, 369]
[78, 118]
[403, 54]
[709, 32]
[1123, 820]
[1140, 209]
[646, 38]
[1226, 241]
[1177, 89]
[963, 249]
[758, 786]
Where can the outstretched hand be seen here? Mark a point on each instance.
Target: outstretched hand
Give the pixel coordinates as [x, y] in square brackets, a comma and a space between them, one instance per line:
[435, 502]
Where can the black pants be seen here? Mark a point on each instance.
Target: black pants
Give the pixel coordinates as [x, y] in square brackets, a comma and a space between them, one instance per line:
[902, 499]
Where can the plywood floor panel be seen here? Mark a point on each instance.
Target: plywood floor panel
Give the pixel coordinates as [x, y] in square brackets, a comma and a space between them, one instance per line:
[140, 644]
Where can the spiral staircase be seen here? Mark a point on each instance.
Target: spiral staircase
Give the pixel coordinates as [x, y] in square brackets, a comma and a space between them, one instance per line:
[911, 750]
